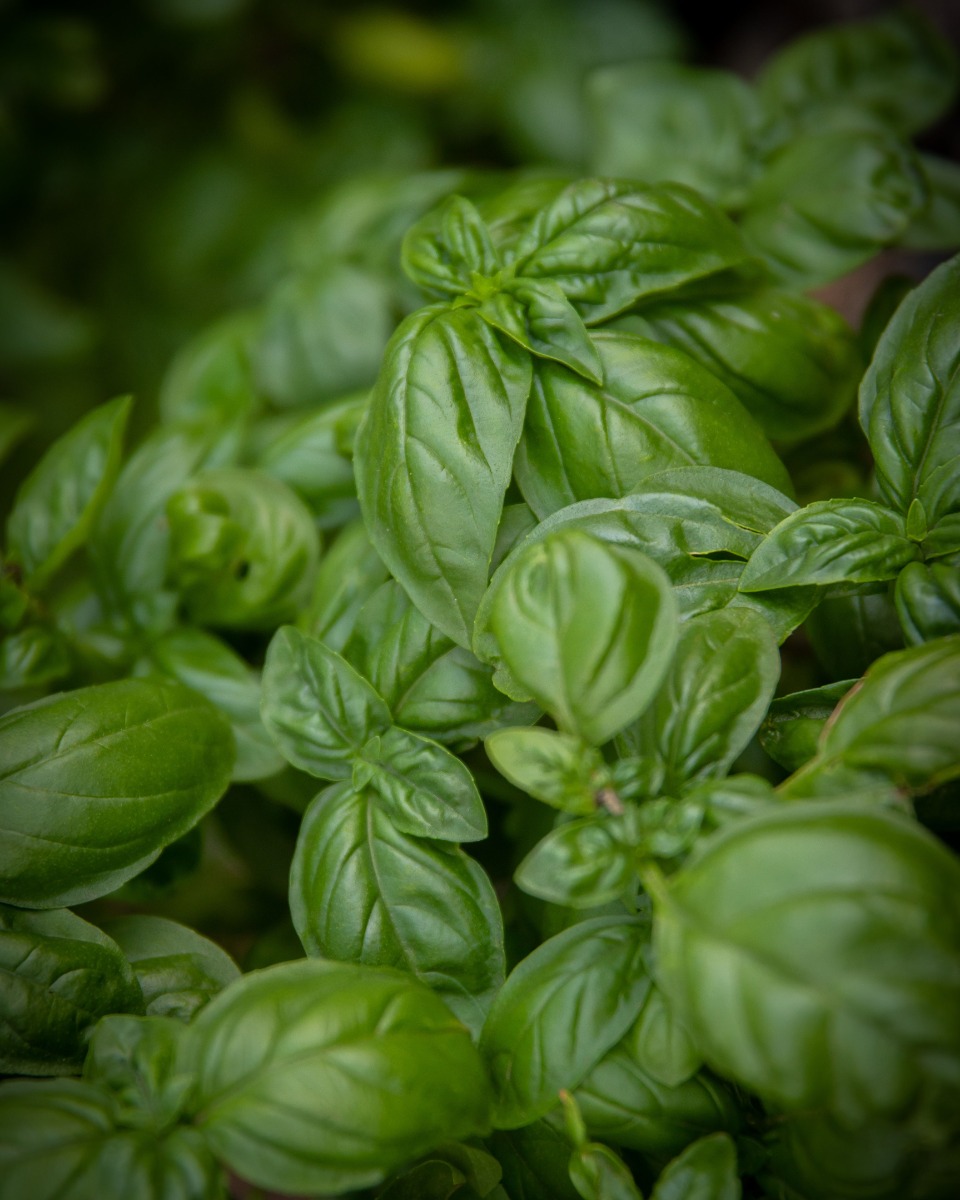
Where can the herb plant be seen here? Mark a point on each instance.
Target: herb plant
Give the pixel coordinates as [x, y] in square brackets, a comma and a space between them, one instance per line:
[535, 573]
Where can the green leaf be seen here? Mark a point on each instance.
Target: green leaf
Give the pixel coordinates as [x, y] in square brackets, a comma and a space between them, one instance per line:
[435, 455]
[707, 1170]
[848, 633]
[791, 730]
[660, 1044]
[640, 113]
[95, 782]
[792, 362]
[582, 864]
[350, 572]
[425, 790]
[363, 891]
[828, 201]
[291, 1062]
[431, 1180]
[316, 707]
[901, 721]
[322, 335]
[831, 541]
[928, 600]
[714, 696]
[910, 398]
[178, 970]
[534, 1160]
[211, 379]
[588, 628]
[657, 409]
[58, 976]
[895, 66]
[243, 549]
[58, 1141]
[560, 1011]
[203, 662]
[59, 500]
[137, 1059]
[537, 314]
[937, 225]
[33, 657]
[600, 1174]
[556, 768]
[445, 250]
[818, 925]
[607, 243]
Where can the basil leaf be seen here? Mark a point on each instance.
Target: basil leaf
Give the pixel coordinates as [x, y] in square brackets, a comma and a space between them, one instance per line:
[560, 1011]
[211, 378]
[828, 201]
[537, 314]
[791, 730]
[431, 685]
[317, 709]
[59, 500]
[910, 398]
[792, 362]
[716, 691]
[202, 662]
[928, 600]
[58, 976]
[837, 925]
[581, 864]
[363, 891]
[657, 409]
[322, 334]
[445, 250]
[534, 1160]
[588, 628]
[895, 66]
[58, 1141]
[95, 782]
[178, 970]
[426, 790]
[350, 572]
[435, 455]
[937, 225]
[848, 633]
[640, 113]
[243, 549]
[608, 243]
[303, 451]
[432, 1180]
[707, 1170]
[137, 1059]
[33, 657]
[553, 767]
[292, 1060]
[831, 541]
[660, 1044]
[599, 1174]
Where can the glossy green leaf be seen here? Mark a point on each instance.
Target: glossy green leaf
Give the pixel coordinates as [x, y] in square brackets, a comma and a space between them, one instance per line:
[910, 398]
[435, 455]
[831, 541]
[319, 1076]
[59, 500]
[560, 1011]
[818, 925]
[896, 66]
[178, 969]
[33, 657]
[316, 707]
[588, 628]
[58, 976]
[203, 662]
[349, 573]
[660, 1044]
[792, 727]
[581, 864]
[445, 250]
[600, 1174]
[608, 243]
[792, 362]
[534, 1160]
[556, 768]
[211, 378]
[431, 1180]
[716, 691]
[58, 1141]
[322, 334]
[641, 112]
[95, 782]
[657, 409]
[138, 1060]
[537, 314]
[243, 549]
[363, 891]
[707, 1170]
[426, 790]
[828, 201]
[848, 633]
[928, 600]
